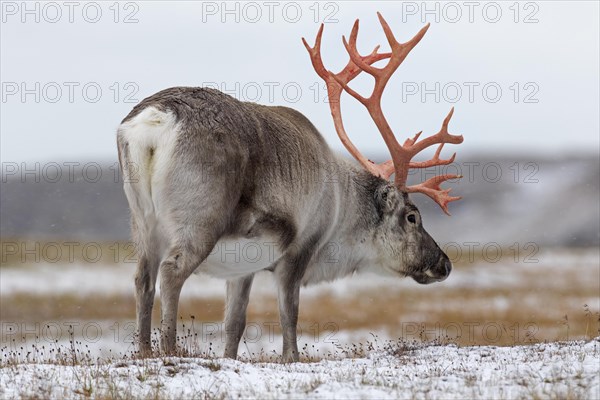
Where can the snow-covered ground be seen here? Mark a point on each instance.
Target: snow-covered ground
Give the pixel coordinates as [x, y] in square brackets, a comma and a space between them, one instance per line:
[393, 370]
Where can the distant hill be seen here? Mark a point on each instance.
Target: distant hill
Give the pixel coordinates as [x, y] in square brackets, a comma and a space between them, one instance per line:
[505, 201]
[81, 205]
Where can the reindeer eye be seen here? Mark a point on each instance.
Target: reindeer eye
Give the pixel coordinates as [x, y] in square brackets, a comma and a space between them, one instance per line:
[412, 218]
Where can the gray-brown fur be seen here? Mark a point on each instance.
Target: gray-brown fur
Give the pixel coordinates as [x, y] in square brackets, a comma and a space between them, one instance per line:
[241, 170]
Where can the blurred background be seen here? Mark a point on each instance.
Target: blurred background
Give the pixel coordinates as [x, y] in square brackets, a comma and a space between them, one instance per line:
[523, 78]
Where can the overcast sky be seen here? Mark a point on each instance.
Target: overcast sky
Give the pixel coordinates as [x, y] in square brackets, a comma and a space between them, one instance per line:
[523, 77]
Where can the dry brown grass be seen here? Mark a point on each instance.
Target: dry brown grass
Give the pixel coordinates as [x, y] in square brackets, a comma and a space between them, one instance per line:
[443, 314]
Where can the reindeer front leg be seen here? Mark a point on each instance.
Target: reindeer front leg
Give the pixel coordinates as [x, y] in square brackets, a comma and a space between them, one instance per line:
[289, 273]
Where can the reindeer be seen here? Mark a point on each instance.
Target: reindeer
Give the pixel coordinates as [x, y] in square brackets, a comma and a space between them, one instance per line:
[204, 170]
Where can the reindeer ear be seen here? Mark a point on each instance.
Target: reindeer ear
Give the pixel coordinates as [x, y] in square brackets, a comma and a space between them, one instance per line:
[387, 198]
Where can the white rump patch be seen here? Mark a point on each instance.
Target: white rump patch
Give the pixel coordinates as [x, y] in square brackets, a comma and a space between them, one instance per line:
[151, 137]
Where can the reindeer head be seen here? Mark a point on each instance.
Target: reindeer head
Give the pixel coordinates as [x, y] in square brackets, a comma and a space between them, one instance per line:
[404, 245]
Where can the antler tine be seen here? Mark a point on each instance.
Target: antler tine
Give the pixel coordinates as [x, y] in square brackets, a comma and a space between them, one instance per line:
[431, 187]
[350, 71]
[410, 142]
[394, 44]
[413, 147]
[436, 160]
[315, 54]
[443, 136]
[355, 57]
[399, 53]
[399, 50]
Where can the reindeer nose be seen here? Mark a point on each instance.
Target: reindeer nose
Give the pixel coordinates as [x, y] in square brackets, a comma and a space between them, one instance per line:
[443, 268]
[447, 266]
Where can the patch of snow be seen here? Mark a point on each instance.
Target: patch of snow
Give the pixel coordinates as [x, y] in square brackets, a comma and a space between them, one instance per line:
[552, 370]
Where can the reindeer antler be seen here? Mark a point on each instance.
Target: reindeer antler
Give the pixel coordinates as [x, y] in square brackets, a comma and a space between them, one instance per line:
[401, 154]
